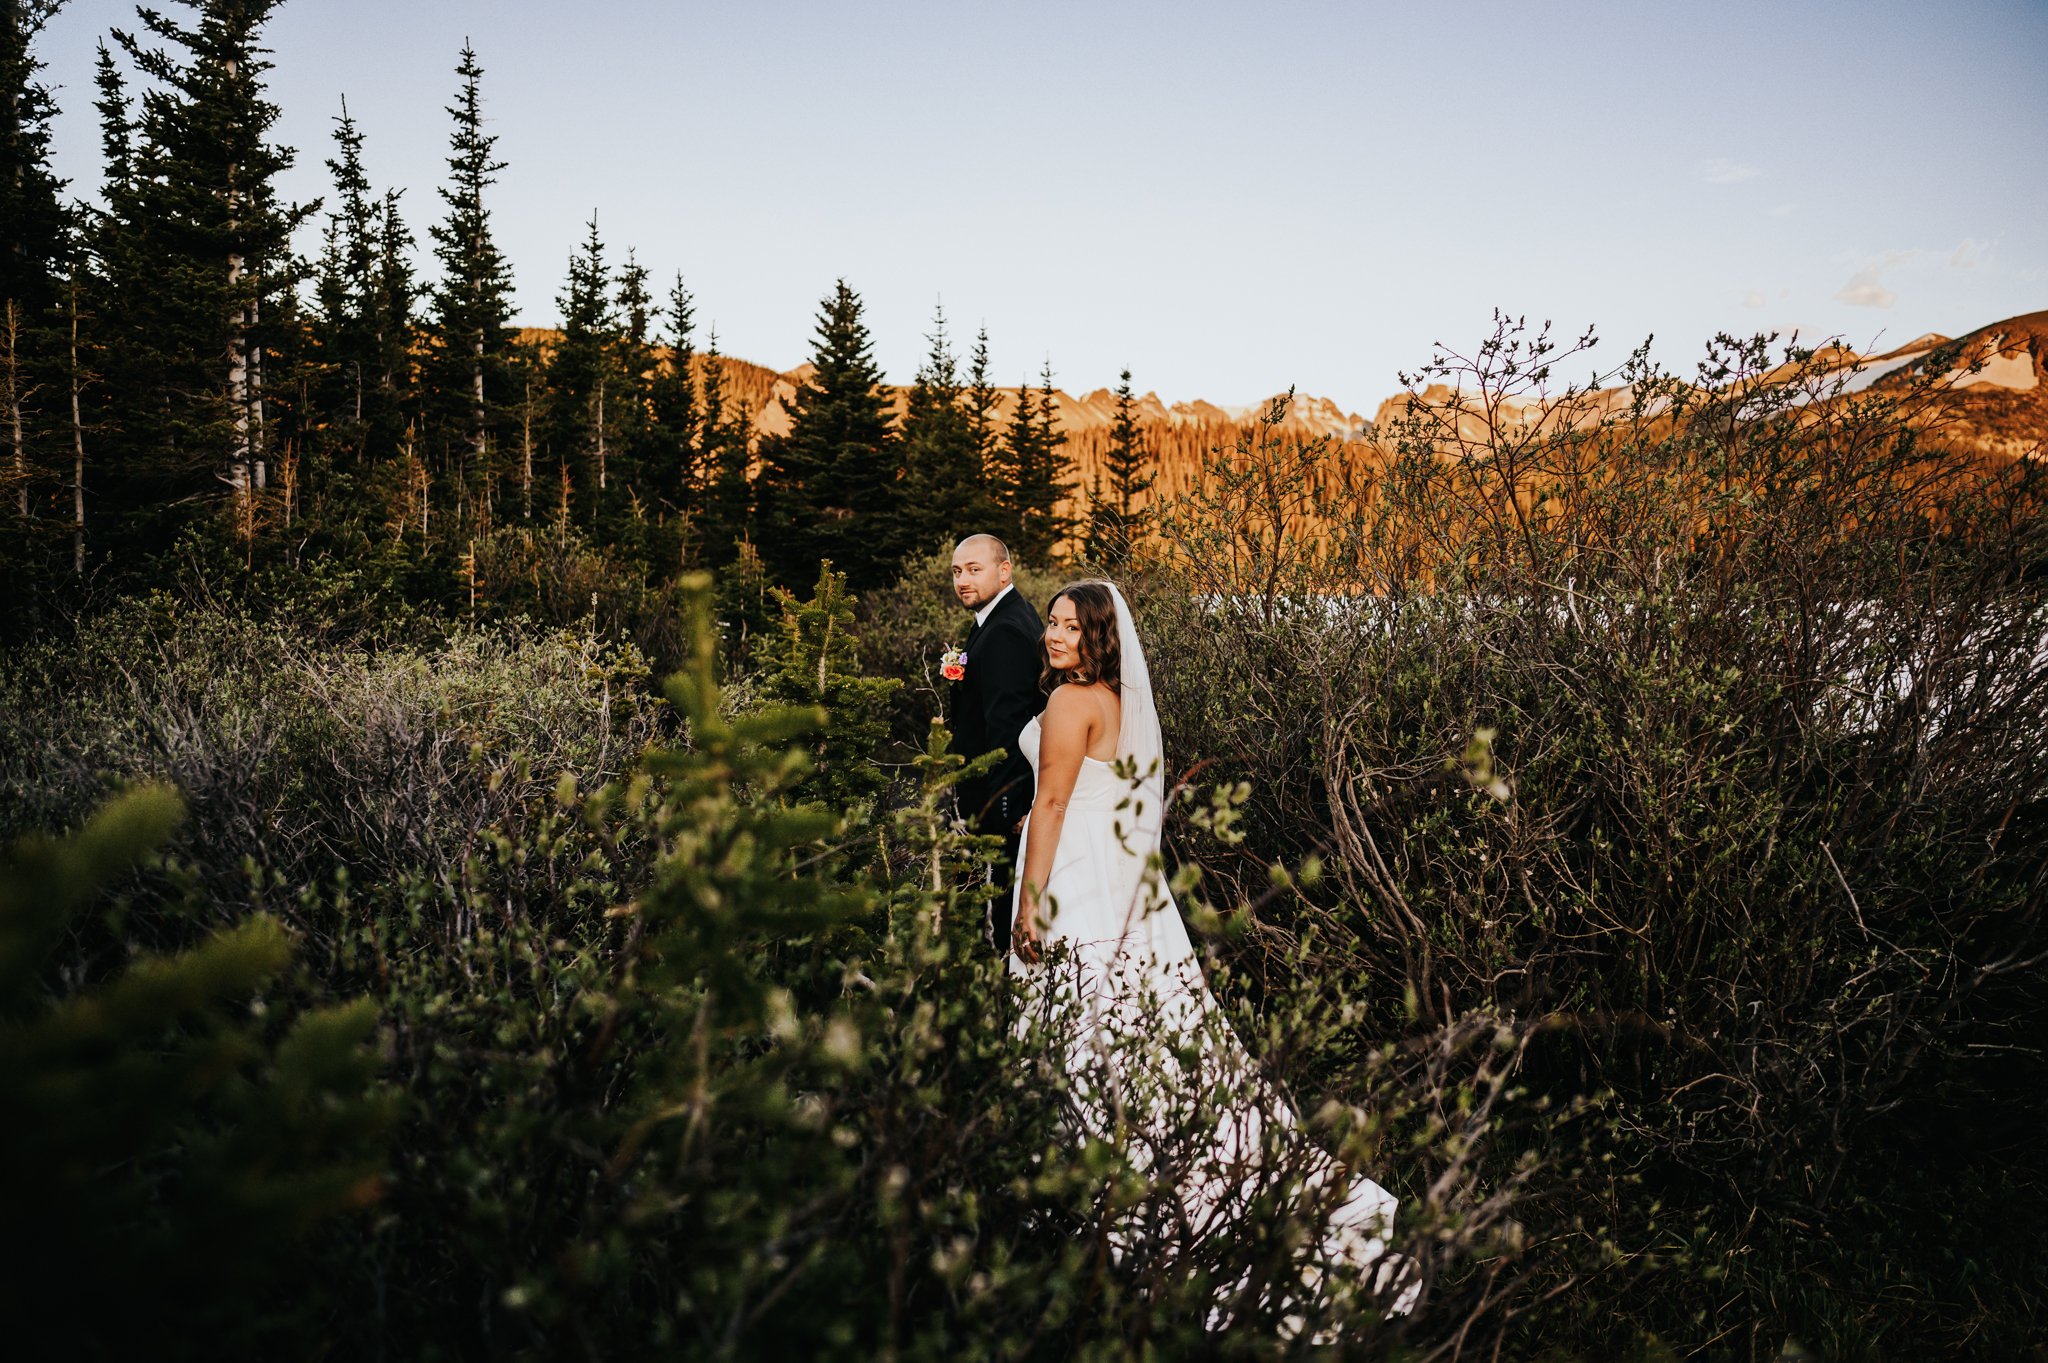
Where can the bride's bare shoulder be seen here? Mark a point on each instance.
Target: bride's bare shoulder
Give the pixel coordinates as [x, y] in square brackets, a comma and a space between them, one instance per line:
[1064, 702]
[1078, 704]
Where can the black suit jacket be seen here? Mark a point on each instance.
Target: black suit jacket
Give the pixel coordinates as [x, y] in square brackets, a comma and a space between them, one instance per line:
[992, 704]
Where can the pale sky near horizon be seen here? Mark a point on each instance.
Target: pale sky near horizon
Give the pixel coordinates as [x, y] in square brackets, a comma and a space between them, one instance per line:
[1227, 199]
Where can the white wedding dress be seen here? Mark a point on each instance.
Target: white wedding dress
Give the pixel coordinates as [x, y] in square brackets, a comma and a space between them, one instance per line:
[1118, 956]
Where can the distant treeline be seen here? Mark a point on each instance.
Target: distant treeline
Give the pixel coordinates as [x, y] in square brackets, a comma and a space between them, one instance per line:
[173, 365]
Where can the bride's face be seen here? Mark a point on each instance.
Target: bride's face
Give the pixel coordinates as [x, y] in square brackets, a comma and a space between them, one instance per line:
[1063, 636]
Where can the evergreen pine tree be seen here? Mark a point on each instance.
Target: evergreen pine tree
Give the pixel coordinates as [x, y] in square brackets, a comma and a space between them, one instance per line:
[394, 293]
[673, 471]
[468, 378]
[636, 439]
[943, 496]
[1010, 481]
[1042, 471]
[723, 454]
[1116, 521]
[344, 333]
[200, 263]
[585, 383]
[34, 227]
[95, 325]
[982, 399]
[829, 488]
[811, 661]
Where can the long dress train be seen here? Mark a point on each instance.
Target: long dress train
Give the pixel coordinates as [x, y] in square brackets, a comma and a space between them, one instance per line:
[1118, 954]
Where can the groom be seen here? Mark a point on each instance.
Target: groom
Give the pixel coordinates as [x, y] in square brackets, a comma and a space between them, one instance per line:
[995, 694]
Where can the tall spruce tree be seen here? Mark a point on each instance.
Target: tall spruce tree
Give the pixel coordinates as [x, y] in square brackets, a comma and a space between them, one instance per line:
[723, 455]
[636, 438]
[673, 472]
[830, 487]
[394, 294]
[585, 384]
[196, 247]
[344, 333]
[1040, 472]
[94, 324]
[1014, 456]
[469, 367]
[34, 227]
[943, 496]
[982, 400]
[1116, 521]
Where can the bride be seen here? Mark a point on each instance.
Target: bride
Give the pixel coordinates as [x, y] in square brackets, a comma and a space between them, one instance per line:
[1095, 930]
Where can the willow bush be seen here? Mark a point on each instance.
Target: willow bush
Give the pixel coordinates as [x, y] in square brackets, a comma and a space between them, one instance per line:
[1702, 733]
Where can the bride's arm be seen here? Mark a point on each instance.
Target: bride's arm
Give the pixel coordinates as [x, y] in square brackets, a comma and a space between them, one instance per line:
[1062, 742]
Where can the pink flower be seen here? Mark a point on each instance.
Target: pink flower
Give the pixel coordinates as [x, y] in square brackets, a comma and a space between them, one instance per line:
[953, 667]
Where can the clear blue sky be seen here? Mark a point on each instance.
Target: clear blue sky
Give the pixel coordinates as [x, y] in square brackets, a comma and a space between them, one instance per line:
[1226, 198]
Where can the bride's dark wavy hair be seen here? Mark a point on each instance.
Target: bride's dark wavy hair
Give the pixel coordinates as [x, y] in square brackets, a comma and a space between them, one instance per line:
[1102, 655]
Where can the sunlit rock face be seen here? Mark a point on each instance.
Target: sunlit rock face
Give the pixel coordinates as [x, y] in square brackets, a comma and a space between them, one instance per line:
[1991, 395]
[1993, 400]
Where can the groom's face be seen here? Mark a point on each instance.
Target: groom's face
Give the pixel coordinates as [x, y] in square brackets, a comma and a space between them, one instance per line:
[977, 575]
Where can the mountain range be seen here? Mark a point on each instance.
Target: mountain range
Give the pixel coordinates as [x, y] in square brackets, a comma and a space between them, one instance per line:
[1996, 401]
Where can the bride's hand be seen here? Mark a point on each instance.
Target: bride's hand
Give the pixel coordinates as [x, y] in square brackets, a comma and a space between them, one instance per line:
[1024, 936]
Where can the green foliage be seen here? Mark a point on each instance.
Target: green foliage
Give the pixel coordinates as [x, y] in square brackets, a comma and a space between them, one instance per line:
[1035, 475]
[167, 1132]
[828, 489]
[1610, 725]
[675, 1057]
[37, 252]
[813, 660]
[676, 471]
[193, 281]
[468, 382]
[945, 490]
[358, 368]
[33, 240]
[1626, 840]
[1116, 514]
[723, 455]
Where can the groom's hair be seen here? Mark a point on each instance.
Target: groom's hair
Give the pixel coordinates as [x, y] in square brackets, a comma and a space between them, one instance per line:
[997, 551]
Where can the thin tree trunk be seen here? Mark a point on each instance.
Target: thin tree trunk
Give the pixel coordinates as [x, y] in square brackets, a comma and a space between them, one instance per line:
[476, 388]
[10, 331]
[77, 447]
[252, 317]
[14, 393]
[526, 454]
[601, 484]
[245, 382]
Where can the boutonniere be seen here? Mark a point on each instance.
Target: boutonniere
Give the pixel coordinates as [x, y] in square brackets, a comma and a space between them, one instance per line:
[953, 666]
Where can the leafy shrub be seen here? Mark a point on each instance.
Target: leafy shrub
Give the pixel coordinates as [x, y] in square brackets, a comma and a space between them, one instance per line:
[687, 1060]
[169, 1146]
[1703, 735]
[308, 757]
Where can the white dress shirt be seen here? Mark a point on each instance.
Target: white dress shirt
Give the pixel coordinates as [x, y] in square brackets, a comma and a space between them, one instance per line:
[981, 616]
